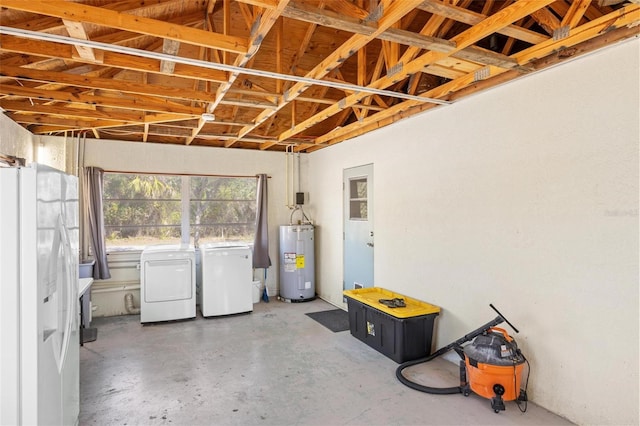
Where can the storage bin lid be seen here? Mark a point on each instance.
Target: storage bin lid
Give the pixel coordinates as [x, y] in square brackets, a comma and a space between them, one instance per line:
[371, 296]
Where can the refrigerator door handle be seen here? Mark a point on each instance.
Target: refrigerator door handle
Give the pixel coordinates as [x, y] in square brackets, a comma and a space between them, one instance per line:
[70, 306]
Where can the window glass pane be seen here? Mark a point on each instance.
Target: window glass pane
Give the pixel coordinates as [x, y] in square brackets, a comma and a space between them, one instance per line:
[222, 209]
[141, 209]
[358, 199]
[147, 209]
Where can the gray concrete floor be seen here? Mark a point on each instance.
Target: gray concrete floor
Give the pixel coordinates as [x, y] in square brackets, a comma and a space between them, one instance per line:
[275, 366]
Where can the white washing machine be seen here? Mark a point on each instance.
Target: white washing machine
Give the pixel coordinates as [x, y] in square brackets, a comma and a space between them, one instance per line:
[167, 283]
[225, 284]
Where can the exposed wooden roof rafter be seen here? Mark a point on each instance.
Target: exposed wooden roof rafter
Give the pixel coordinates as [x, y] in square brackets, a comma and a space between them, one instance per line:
[501, 19]
[309, 73]
[123, 21]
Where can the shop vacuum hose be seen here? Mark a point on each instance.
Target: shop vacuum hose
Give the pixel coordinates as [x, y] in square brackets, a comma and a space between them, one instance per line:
[457, 346]
[423, 388]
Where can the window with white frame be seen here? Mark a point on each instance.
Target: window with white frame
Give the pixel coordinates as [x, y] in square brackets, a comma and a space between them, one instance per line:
[140, 209]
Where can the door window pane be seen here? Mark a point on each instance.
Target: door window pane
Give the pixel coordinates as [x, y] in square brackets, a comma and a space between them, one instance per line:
[358, 199]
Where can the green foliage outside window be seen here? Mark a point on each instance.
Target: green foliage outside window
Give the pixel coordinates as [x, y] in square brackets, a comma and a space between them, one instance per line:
[147, 209]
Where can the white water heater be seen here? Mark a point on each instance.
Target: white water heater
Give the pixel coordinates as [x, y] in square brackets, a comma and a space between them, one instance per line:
[297, 264]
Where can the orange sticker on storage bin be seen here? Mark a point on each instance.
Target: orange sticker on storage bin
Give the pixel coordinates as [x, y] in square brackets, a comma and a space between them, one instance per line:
[300, 261]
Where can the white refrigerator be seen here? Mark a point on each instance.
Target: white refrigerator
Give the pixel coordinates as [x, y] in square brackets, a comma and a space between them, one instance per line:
[39, 320]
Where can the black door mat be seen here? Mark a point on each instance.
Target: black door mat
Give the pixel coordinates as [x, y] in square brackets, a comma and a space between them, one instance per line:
[335, 320]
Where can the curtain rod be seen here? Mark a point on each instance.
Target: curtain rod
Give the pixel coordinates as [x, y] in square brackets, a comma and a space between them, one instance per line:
[180, 174]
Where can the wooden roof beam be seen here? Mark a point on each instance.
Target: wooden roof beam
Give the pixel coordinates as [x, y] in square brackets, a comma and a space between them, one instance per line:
[279, 36]
[124, 21]
[375, 74]
[346, 8]
[226, 25]
[324, 101]
[547, 20]
[169, 47]
[575, 13]
[304, 44]
[43, 124]
[94, 82]
[28, 107]
[76, 30]
[138, 103]
[247, 14]
[265, 4]
[499, 20]
[431, 28]
[263, 24]
[307, 13]
[50, 124]
[396, 112]
[110, 59]
[622, 20]
[304, 12]
[609, 2]
[390, 15]
[73, 123]
[116, 37]
[248, 103]
[145, 133]
[150, 129]
[48, 23]
[626, 16]
[472, 18]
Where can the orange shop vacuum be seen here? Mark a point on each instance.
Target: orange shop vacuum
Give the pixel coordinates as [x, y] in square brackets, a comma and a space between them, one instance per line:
[491, 366]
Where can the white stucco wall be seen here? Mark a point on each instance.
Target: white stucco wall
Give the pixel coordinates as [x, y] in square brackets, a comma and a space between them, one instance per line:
[526, 197]
[57, 152]
[15, 140]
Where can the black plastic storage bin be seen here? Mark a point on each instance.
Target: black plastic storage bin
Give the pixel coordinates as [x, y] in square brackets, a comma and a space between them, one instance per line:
[402, 333]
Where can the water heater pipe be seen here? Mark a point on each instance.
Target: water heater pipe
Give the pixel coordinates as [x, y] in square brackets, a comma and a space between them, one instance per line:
[305, 220]
[289, 175]
[299, 185]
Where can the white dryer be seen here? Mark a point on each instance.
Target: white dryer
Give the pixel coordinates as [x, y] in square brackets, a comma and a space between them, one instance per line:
[167, 283]
[227, 279]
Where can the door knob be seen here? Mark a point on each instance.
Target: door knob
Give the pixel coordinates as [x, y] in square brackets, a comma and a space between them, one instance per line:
[370, 244]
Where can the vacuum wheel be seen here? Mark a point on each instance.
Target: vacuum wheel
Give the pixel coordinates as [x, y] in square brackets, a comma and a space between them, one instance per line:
[497, 403]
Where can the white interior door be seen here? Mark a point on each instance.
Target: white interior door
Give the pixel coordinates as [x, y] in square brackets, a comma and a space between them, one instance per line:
[358, 227]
